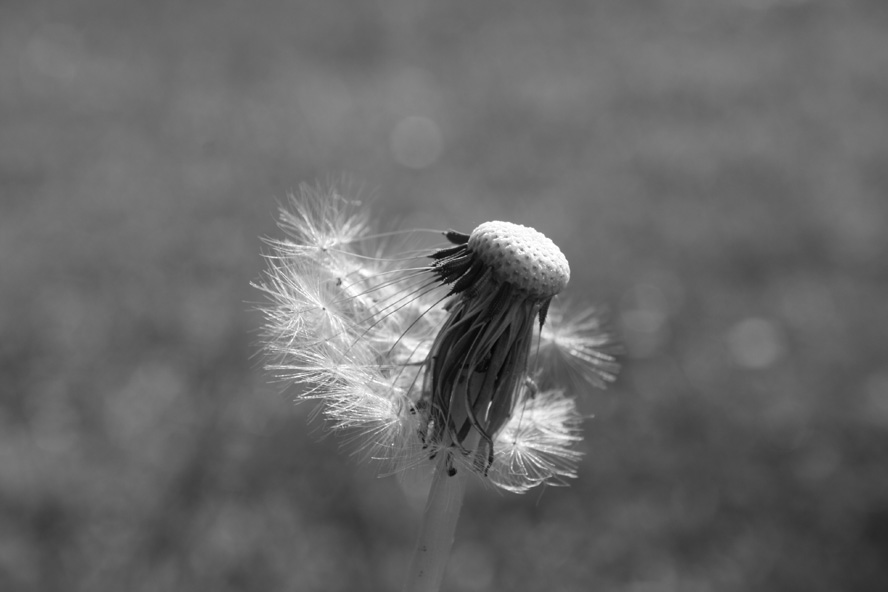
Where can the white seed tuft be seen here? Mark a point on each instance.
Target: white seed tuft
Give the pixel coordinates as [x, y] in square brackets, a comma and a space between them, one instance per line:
[522, 257]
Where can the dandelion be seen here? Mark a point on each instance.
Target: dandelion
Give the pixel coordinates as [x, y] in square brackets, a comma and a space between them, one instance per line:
[432, 356]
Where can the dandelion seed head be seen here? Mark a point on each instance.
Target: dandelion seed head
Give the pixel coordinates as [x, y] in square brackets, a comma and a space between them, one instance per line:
[415, 354]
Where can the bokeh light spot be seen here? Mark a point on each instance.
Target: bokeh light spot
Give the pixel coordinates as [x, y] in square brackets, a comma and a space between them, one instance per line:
[416, 142]
[755, 343]
[647, 310]
[55, 51]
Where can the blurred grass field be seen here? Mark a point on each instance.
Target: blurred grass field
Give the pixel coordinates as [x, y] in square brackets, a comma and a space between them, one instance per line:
[715, 170]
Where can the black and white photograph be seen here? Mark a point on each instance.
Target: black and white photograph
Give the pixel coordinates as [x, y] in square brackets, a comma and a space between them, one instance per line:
[443, 296]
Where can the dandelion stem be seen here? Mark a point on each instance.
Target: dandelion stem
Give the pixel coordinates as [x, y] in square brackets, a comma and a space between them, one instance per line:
[438, 528]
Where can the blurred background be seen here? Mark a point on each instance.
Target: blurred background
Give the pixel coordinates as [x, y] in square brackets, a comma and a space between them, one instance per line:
[715, 170]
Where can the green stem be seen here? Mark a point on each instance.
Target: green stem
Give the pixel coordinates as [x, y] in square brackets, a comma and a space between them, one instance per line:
[438, 528]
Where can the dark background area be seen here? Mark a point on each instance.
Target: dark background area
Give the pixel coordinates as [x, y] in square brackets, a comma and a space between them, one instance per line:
[716, 171]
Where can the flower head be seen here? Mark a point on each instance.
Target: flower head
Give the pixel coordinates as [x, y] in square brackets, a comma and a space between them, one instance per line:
[429, 352]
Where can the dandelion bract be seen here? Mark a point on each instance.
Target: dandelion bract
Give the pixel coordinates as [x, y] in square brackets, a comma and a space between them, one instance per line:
[431, 353]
